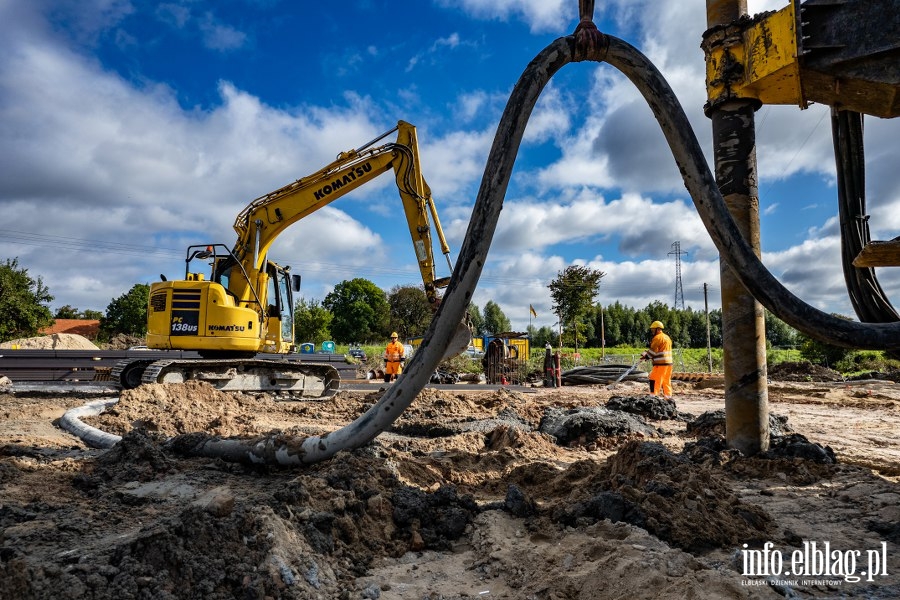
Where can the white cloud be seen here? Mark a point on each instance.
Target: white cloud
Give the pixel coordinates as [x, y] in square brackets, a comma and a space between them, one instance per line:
[86, 20]
[811, 270]
[451, 41]
[551, 118]
[436, 51]
[540, 15]
[176, 15]
[451, 163]
[75, 159]
[468, 105]
[220, 36]
[588, 217]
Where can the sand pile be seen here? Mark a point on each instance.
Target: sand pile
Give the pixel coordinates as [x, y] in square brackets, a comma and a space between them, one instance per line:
[56, 341]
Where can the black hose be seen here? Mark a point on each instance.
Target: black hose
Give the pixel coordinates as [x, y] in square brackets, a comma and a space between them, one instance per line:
[586, 44]
[718, 221]
[868, 298]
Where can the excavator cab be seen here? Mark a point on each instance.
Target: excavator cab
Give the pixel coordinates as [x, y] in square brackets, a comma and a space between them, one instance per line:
[208, 315]
[228, 319]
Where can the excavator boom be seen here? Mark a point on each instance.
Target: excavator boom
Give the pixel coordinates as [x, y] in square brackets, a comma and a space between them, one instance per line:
[266, 217]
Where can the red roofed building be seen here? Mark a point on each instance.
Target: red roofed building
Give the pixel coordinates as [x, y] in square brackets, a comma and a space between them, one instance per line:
[88, 328]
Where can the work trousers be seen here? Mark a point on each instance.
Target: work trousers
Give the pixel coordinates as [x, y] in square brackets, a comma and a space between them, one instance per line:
[661, 380]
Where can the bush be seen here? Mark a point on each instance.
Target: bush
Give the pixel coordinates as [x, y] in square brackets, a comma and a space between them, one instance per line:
[824, 355]
[858, 361]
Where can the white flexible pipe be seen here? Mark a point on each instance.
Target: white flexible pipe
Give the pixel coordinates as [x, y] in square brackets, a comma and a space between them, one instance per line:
[93, 437]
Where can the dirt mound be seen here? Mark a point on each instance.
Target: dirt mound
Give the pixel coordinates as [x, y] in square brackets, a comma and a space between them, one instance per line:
[466, 499]
[120, 341]
[299, 534]
[688, 505]
[803, 371]
[196, 406]
[56, 341]
[584, 426]
[650, 407]
[712, 423]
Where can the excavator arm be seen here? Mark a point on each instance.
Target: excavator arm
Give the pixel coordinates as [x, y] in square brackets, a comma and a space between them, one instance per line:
[266, 217]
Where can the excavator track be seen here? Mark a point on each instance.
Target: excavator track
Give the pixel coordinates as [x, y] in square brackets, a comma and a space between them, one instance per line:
[234, 375]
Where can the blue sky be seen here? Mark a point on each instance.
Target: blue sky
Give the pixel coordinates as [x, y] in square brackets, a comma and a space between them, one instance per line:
[132, 129]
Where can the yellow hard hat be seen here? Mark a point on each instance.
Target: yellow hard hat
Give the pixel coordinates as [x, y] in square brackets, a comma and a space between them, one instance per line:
[657, 325]
[394, 335]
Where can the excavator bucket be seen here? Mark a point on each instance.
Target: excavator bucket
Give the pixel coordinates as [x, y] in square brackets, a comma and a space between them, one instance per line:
[460, 342]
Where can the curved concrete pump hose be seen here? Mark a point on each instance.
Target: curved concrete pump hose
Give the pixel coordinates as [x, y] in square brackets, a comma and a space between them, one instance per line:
[472, 256]
[586, 44]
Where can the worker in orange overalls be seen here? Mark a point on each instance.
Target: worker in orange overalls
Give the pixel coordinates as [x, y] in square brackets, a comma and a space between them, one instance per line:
[660, 353]
[393, 358]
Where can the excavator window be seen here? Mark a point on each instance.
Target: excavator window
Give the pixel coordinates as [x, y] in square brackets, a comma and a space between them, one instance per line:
[285, 298]
[222, 273]
[272, 308]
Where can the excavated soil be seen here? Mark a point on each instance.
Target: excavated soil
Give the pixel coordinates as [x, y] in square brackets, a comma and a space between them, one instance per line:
[573, 493]
[56, 341]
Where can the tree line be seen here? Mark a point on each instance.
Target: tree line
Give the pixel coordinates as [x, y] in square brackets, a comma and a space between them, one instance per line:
[25, 310]
[588, 324]
[357, 310]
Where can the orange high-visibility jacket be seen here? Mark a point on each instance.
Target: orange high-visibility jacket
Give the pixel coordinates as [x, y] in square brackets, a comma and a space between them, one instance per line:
[660, 349]
[393, 354]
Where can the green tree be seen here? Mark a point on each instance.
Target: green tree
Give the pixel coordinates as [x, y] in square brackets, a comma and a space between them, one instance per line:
[820, 353]
[476, 320]
[695, 328]
[540, 337]
[779, 334]
[494, 319]
[127, 314]
[410, 311]
[616, 324]
[360, 311]
[573, 292]
[67, 312]
[23, 303]
[91, 314]
[715, 328]
[312, 322]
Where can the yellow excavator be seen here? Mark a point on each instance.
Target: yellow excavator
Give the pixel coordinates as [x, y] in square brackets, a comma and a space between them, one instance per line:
[245, 305]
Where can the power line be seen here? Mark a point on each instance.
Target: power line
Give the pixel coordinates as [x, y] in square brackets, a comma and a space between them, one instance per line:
[71, 243]
[796, 154]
